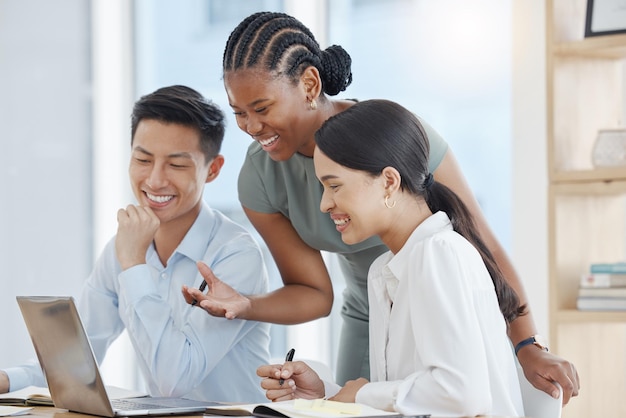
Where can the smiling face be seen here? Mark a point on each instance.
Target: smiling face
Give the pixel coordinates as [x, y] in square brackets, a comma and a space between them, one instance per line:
[272, 110]
[354, 199]
[168, 171]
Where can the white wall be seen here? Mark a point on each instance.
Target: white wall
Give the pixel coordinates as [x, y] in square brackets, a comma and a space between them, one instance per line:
[45, 162]
[113, 98]
[63, 172]
[530, 178]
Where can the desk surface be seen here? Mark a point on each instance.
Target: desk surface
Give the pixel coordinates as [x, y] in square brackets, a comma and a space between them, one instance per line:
[49, 412]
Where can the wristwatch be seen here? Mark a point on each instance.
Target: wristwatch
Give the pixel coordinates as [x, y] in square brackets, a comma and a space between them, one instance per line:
[536, 339]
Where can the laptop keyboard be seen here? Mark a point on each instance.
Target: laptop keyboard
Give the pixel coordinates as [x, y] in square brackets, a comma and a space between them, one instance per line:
[136, 404]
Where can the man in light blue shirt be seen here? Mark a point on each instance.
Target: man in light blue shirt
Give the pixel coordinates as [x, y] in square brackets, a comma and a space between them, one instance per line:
[136, 282]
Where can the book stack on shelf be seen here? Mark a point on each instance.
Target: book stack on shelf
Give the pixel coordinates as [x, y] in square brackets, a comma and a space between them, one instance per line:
[603, 288]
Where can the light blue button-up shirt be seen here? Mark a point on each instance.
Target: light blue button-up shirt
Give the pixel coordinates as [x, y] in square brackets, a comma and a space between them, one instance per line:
[181, 350]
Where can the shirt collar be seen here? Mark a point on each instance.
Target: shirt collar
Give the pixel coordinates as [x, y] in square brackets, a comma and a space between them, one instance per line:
[432, 225]
[197, 239]
[391, 284]
[435, 223]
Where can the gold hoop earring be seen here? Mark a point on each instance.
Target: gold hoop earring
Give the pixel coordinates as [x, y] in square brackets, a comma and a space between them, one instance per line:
[313, 104]
[387, 203]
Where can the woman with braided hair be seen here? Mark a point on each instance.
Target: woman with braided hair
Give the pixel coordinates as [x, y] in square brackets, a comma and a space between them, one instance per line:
[278, 81]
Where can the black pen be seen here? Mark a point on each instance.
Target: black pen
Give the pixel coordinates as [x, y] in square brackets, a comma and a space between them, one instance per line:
[201, 288]
[289, 357]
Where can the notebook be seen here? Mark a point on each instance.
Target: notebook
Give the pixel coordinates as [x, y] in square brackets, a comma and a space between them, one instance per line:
[71, 369]
[304, 408]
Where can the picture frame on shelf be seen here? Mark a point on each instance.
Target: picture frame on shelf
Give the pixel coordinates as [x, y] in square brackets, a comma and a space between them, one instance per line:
[605, 17]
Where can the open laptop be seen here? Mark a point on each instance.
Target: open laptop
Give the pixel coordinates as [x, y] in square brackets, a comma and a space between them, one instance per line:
[70, 367]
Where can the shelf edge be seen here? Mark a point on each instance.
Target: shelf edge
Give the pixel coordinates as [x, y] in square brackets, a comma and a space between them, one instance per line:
[573, 316]
[593, 175]
[609, 46]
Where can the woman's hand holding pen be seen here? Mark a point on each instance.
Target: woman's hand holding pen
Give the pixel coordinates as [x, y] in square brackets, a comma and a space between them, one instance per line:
[299, 381]
[289, 357]
[221, 299]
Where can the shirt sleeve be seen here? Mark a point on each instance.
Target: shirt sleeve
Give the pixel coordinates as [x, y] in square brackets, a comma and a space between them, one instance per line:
[98, 303]
[28, 374]
[251, 187]
[441, 299]
[178, 350]
[438, 146]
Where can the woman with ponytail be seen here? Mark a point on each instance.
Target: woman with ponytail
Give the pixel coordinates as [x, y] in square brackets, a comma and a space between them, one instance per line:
[439, 306]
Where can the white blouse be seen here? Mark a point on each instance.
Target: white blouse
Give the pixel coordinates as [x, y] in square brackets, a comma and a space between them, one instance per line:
[438, 341]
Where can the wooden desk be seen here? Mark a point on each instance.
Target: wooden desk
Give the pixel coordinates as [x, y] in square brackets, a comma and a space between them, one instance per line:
[49, 412]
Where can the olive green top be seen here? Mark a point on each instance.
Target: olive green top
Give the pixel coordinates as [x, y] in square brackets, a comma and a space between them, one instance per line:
[291, 188]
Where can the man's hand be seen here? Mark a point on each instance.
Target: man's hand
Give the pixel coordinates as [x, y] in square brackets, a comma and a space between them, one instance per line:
[4, 382]
[300, 381]
[136, 227]
[541, 368]
[221, 299]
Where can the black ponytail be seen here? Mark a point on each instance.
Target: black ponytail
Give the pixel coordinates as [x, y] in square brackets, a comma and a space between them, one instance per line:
[374, 134]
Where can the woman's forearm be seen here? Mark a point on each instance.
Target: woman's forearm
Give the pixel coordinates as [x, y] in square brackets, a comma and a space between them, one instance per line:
[291, 304]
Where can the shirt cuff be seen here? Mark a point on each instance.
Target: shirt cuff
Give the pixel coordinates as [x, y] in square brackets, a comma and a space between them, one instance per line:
[137, 282]
[18, 378]
[380, 395]
[330, 389]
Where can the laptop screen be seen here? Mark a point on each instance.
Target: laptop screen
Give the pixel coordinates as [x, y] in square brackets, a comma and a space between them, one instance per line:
[65, 354]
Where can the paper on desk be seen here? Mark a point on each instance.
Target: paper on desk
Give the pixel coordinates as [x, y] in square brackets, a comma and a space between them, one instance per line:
[11, 411]
[324, 408]
[301, 408]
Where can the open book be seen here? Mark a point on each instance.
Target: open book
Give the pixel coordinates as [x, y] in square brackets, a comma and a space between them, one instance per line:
[40, 396]
[301, 408]
[31, 395]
